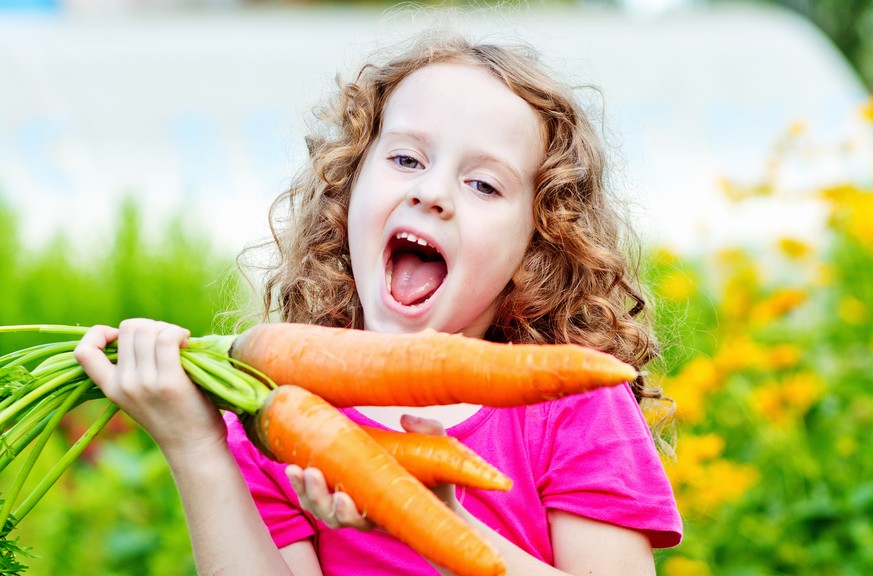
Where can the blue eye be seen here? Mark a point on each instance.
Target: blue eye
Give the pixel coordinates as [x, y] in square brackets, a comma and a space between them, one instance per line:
[484, 188]
[406, 162]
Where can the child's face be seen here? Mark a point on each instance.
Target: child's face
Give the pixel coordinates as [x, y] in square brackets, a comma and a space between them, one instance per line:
[453, 167]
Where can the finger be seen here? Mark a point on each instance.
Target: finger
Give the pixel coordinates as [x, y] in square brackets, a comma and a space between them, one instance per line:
[318, 494]
[347, 514]
[90, 353]
[126, 358]
[295, 476]
[170, 338]
[145, 336]
[421, 425]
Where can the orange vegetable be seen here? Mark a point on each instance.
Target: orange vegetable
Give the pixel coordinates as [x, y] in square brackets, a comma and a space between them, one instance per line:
[360, 368]
[297, 427]
[439, 459]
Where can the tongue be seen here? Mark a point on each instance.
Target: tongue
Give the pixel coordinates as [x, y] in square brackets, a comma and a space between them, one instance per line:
[414, 280]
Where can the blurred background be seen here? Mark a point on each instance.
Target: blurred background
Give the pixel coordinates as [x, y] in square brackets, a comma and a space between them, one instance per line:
[141, 143]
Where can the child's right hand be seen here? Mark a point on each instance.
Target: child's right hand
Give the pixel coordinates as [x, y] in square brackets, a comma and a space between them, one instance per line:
[149, 384]
[337, 509]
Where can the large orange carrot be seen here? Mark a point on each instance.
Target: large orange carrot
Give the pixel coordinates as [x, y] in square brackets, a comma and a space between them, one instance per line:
[360, 368]
[296, 427]
[439, 459]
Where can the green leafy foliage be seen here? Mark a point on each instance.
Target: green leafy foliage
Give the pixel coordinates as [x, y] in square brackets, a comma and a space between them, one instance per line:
[11, 553]
[116, 510]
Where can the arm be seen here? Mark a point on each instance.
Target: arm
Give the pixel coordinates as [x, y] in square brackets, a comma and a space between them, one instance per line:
[227, 534]
[580, 545]
[585, 546]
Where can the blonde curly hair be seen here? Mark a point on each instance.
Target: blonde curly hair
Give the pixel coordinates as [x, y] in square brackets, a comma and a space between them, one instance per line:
[574, 283]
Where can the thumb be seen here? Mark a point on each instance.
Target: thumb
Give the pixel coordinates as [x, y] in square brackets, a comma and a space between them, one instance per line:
[421, 425]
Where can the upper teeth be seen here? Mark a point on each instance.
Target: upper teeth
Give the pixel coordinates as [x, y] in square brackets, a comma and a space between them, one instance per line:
[412, 238]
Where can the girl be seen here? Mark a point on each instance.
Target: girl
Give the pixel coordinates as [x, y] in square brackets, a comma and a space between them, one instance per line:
[454, 187]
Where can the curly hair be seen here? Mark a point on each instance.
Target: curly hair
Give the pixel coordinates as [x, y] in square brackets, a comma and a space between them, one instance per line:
[574, 284]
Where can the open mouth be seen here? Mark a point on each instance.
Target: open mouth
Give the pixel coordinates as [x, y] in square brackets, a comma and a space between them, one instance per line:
[415, 269]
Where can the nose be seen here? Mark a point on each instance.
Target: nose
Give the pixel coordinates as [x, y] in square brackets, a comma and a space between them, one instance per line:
[433, 193]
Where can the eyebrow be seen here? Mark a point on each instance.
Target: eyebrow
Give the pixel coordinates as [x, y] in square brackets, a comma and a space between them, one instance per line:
[480, 157]
[407, 133]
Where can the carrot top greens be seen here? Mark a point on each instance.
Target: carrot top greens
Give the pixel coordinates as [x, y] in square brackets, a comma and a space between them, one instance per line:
[42, 383]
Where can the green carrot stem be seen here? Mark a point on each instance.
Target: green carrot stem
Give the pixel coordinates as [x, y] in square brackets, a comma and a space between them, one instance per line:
[239, 390]
[68, 458]
[54, 364]
[21, 434]
[17, 438]
[46, 329]
[12, 493]
[35, 353]
[46, 387]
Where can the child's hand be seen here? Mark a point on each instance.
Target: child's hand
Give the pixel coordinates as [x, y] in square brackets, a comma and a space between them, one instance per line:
[337, 509]
[149, 384]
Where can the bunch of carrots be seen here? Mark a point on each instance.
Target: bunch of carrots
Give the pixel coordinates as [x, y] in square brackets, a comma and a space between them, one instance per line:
[286, 382]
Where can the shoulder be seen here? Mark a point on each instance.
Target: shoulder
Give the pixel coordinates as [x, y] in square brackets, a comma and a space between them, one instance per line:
[601, 462]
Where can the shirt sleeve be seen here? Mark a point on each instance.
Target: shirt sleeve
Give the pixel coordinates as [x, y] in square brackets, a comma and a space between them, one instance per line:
[270, 488]
[601, 463]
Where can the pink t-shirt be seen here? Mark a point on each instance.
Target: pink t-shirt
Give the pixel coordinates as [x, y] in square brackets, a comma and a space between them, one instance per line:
[590, 454]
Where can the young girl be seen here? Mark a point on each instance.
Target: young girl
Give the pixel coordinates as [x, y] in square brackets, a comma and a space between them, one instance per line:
[455, 187]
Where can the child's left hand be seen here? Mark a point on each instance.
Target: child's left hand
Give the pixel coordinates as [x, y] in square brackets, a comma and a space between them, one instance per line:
[336, 509]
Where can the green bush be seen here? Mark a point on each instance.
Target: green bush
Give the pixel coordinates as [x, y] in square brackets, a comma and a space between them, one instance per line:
[116, 511]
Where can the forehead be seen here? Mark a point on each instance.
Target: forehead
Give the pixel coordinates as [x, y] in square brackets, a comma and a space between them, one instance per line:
[469, 103]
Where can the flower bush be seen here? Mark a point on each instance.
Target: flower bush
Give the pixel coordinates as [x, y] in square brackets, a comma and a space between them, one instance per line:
[773, 384]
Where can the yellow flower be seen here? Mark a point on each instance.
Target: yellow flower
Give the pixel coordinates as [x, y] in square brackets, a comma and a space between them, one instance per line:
[867, 110]
[851, 210]
[677, 287]
[782, 356]
[724, 482]
[825, 274]
[702, 480]
[657, 411]
[860, 219]
[690, 401]
[665, 256]
[691, 387]
[796, 128]
[851, 310]
[769, 401]
[682, 566]
[700, 448]
[780, 303]
[782, 403]
[739, 353]
[732, 257]
[793, 248]
[804, 390]
[701, 372]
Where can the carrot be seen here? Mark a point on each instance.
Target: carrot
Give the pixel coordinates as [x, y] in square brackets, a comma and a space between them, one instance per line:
[38, 385]
[297, 427]
[358, 368]
[439, 459]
